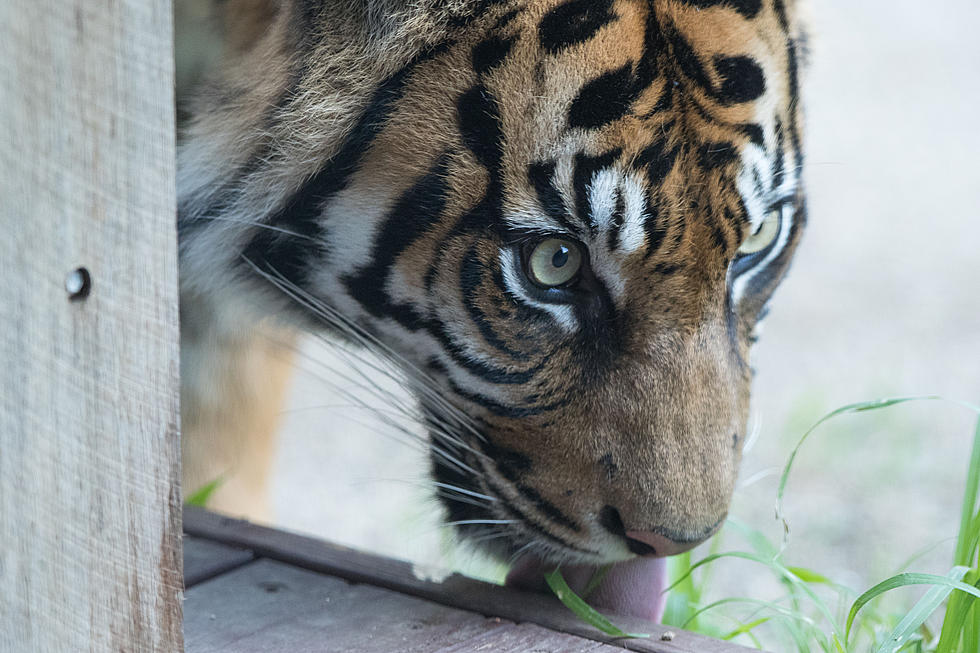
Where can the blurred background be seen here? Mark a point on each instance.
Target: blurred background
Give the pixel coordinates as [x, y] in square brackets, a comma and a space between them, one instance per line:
[883, 300]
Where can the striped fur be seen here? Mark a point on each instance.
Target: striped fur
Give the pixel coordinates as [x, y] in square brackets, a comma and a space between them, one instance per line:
[381, 167]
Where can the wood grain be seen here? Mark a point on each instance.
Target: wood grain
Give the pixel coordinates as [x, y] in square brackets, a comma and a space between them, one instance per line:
[269, 606]
[456, 591]
[89, 444]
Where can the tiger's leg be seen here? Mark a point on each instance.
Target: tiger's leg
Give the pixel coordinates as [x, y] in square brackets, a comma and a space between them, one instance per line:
[233, 386]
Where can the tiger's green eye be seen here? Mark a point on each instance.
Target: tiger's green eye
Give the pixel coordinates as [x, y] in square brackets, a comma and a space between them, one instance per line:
[763, 236]
[554, 262]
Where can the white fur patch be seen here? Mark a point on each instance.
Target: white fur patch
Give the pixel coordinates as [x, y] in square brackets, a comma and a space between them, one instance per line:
[602, 197]
[355, 215]
[632, 235]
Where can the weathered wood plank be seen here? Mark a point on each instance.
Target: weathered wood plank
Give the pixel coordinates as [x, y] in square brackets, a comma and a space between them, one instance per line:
[456, 591]
[204, 559]
[89, 446]
[522, 638]
[272, 606]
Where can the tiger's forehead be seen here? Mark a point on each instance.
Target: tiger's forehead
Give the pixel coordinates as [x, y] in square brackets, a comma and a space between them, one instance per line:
[681, 98]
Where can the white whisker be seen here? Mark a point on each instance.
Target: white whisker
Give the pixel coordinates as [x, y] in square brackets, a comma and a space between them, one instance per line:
[251, 223]
[423, 383]
[456, 488]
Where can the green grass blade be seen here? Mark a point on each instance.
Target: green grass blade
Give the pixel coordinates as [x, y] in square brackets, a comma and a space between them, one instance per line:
[902, 580]
[966, 543]
[971, 629]
[684, 596]
[810, 576]
[744, 629]
[766, 605]
[201, 496]
[956, 614]
[921, 611]
[583, 610]
[596, 580]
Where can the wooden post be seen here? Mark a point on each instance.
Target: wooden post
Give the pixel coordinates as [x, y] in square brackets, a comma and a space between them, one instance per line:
[89, 436]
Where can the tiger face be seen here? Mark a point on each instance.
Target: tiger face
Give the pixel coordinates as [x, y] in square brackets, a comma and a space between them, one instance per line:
[562, 218]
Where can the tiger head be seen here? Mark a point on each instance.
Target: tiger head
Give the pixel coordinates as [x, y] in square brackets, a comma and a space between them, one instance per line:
[562, 218]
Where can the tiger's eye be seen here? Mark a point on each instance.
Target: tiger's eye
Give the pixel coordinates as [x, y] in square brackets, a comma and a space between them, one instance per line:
[763, 236]
[554, 262]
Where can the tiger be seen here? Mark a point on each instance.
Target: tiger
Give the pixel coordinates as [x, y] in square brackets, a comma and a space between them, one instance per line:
[560, 220]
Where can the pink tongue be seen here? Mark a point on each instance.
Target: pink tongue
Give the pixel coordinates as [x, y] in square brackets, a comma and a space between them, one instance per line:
[632, 588]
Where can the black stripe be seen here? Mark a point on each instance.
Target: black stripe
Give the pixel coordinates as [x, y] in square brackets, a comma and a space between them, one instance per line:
[472, 274]
[778, 170]
[742, 79]
[510, 464]
[618, 217]
[653, 44]
[604, 100]
[719, 236]
[413, 214]
[657, 159]
[541, 177]
[717, 155]
[502, 410]
[666, 269]
[654, 227]
[573, 23]
[490, 53]
[755, 133]
[479, 125]
[687, 58]
[527, 522]
[664, 102]
[547, 508]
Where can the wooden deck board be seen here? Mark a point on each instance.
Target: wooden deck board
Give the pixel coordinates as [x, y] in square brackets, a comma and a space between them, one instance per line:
[456, 591]
[204, 559]
[528, 638]
[268, 606]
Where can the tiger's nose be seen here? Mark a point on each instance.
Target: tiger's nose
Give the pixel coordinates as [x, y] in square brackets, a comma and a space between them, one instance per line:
[650, 543]
[657, 545]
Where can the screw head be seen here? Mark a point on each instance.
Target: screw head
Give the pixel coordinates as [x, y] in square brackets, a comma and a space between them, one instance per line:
[78, 284]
